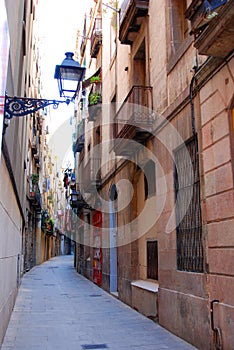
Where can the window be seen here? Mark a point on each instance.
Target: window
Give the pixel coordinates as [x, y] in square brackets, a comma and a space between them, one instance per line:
[179, 24]
[149, 179]
[188, 210]
[113, 37]
[152, 260]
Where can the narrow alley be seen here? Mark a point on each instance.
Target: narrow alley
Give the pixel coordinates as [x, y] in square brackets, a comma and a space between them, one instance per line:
[58, 309]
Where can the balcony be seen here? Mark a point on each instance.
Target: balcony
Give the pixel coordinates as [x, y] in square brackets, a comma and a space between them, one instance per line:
[96, 38]
[132, 13]
[33, 192]
[95, 102]
[80, 137]
[94, 112]
[134, 122]
[78, 202]
[47, 224]
[35, 144]
[35, 199]
[92, 175]
[213, 29]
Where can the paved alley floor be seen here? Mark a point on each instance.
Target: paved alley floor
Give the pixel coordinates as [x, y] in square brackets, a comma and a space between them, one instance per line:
[57, 309]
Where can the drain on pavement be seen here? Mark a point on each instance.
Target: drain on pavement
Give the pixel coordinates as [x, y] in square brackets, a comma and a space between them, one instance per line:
[95, 295]
[94, 346]
[53, 267]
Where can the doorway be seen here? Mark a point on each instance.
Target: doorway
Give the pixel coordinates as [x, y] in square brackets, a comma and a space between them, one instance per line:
[113, 240]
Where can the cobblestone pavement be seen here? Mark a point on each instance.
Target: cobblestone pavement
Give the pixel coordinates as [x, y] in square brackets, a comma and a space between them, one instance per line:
[57, 309]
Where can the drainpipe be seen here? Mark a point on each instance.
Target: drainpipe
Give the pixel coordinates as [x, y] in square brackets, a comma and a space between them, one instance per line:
[191, 86]
[217, 337]
[195, 69]
[192, 104]
[216, 331]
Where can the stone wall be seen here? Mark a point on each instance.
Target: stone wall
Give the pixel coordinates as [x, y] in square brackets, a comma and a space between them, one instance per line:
[10, 248]
[217, 104]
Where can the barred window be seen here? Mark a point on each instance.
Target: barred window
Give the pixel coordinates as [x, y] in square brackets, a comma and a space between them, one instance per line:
[188, 210]
[152, 260]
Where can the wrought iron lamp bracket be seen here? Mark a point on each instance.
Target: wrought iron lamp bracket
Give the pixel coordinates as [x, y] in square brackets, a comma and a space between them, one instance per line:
[21, 106]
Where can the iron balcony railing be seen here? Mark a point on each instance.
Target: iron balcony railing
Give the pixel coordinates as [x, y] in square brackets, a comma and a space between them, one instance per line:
[136, 110]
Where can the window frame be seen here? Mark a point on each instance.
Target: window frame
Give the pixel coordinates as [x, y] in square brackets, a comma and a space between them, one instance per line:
[177, 50]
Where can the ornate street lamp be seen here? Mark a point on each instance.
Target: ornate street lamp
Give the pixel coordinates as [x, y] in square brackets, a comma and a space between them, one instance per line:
[68, 74]
[21, 106]
[68, 71]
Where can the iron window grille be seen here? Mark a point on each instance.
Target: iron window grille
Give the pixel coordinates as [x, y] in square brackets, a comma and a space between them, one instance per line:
[188, 222]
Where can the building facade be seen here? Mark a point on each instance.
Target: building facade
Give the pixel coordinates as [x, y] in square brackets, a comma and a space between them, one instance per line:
[14, 158]
[164, 180]
[24, 242]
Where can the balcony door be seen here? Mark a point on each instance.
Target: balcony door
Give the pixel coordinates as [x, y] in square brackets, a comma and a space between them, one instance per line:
[139, 66]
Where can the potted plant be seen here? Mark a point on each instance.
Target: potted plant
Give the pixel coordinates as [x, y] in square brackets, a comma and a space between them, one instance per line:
[35, 178]
[95, 79]
[44, 220]
[94, 98]
[50, 226]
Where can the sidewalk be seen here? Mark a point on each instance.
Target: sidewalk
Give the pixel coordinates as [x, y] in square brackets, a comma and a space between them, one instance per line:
[57, 309]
